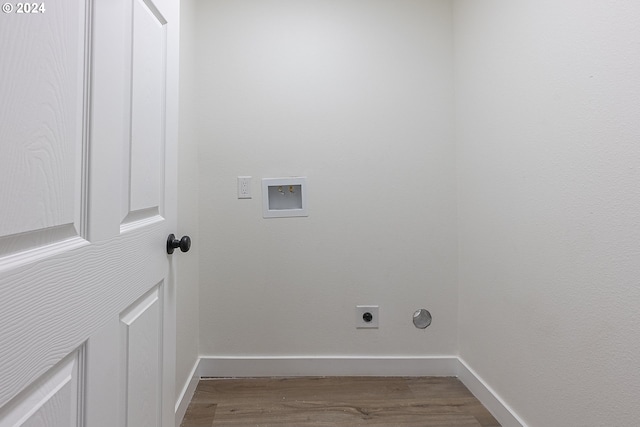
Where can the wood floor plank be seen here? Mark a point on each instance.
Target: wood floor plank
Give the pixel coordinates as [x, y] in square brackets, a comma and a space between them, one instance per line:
[359, 388]
[322, 413]
[199, 415]
[336, 402]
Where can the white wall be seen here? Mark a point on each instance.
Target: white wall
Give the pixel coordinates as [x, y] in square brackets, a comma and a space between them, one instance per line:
[357, 96]
[548, 102]
[188, 268]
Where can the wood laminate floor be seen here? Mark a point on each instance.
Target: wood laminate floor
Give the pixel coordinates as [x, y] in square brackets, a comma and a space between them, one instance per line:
[336, 402]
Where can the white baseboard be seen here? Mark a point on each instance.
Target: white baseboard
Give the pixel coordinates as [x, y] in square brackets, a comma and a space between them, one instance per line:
[292, 366]
[187, 393]
[489, 398]
[327, 366]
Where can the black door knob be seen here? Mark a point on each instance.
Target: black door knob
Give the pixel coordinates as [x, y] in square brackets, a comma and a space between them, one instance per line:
[172, 243]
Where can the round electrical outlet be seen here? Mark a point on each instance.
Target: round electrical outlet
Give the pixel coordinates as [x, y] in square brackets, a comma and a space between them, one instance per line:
[367, 316]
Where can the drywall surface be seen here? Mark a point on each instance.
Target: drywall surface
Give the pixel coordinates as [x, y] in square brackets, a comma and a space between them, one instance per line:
[357, 96]
[188, 269]
[548, 131]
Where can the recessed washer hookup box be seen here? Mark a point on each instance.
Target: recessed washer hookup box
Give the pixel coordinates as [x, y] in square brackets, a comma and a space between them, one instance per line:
[284, 197]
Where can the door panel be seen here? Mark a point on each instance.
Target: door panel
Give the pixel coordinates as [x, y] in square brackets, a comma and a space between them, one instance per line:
[54, 400]
[42, 77]
[141, 338]
[147, 107]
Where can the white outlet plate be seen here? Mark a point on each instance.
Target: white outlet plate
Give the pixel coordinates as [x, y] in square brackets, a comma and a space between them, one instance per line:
[244, 187]
[361, 310]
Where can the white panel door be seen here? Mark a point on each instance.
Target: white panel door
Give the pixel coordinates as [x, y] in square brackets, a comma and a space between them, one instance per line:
[88, 143]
